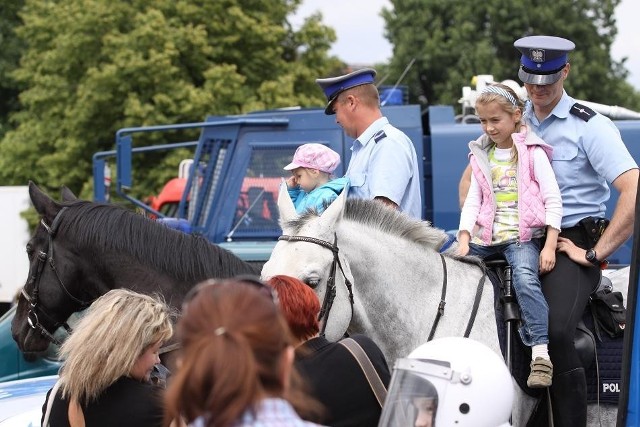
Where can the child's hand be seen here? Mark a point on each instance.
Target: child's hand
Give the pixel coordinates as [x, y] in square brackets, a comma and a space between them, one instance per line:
[291, 182]
[463, 248]
[463, 243]
[547, 260]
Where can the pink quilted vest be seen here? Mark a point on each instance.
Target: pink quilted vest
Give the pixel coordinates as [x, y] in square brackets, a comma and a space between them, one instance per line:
[531, 209]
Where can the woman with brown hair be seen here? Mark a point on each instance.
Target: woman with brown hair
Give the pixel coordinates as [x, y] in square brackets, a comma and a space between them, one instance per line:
[332, 372]
[236, 363]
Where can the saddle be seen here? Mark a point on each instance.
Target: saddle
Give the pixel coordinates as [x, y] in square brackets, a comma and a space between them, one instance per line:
[602, 358]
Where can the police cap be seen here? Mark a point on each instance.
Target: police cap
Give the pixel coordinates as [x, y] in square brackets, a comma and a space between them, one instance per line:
[334, 86]
[543, 58]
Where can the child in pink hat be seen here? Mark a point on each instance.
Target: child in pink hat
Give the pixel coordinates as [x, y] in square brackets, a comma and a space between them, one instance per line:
[310, 185]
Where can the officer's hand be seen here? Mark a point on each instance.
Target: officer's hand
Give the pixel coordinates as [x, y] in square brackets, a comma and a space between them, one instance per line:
[575, 253]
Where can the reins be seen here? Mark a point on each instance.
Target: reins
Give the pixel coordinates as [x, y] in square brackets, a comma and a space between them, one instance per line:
[476, 304]
[443, 302]
[330, 293]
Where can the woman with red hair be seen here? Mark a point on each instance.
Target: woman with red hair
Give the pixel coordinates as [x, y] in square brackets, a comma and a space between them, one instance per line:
[334, 375]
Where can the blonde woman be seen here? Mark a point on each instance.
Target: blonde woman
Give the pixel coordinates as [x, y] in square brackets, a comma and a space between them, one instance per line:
[108, 359]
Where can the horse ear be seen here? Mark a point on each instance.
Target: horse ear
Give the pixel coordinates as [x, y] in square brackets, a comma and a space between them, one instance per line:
[67, 195]
[285, 205]
[44, 204]
[333, 213]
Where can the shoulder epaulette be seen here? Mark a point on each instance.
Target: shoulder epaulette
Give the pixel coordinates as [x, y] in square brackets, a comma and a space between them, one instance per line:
[379, 136]
[582, 111]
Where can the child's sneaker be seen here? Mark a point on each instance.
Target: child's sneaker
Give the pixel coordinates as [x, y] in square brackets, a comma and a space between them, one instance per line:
[541, 373]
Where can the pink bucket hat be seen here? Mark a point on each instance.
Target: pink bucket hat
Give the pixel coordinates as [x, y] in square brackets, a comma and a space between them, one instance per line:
[315, 156]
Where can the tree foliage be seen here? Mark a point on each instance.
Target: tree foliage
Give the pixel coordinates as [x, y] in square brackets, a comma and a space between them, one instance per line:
[12, 48]
[89, 67]
[454, 40]
[93, 67]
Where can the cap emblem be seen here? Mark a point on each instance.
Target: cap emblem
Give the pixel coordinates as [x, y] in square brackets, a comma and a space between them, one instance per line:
[537, 55]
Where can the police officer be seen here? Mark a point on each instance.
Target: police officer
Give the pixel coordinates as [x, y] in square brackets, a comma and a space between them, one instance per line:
[451, 381]
[588, 154]
[383, 164]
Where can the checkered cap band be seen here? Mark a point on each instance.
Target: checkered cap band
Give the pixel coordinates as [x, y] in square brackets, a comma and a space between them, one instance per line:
[499, 91]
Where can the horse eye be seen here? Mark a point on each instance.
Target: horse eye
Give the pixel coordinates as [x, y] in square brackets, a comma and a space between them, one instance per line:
[29, 251]
[312, 282]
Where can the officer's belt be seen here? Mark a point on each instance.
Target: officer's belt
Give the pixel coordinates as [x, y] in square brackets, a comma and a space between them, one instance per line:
[586, 233]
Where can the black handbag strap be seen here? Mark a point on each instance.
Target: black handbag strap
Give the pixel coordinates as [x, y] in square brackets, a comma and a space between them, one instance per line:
[370, 372]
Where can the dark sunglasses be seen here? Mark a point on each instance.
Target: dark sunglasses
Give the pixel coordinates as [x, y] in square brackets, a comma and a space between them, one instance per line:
[254, 281]
[260, 285]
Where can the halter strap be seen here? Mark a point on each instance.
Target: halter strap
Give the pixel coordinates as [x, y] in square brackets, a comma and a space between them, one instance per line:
[333, 248]
[52, 230]
[330, 293]
[55, 224]
[34, 303]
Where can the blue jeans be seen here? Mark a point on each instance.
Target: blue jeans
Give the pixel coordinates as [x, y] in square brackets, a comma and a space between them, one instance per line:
[523, 257]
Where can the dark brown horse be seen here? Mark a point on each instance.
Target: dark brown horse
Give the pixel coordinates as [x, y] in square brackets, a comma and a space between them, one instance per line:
[80, 250]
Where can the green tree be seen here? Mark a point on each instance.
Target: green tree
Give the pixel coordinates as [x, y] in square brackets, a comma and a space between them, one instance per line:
[92, 67]
[12, 48]
[453, 40]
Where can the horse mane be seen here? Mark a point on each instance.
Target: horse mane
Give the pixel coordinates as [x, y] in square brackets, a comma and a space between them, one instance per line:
[114, 228]
[377, 215]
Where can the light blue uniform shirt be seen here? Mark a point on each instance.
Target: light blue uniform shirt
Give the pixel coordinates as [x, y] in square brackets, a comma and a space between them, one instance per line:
[586, 156]
[384, 163]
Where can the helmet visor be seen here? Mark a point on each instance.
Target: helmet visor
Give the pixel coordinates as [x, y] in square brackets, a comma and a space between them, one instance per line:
[412, 399]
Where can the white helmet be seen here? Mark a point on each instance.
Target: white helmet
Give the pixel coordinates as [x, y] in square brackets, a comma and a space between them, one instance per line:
[450, 381]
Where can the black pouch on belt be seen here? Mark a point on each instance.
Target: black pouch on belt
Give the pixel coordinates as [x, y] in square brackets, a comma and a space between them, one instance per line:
[593, 227]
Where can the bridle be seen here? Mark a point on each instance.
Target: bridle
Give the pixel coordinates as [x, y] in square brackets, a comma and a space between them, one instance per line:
[330, 293]
[331, 286]
[35, 307]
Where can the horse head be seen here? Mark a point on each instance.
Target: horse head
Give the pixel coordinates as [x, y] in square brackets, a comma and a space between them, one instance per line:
[48, 297]
[81, 249]
[309, 250]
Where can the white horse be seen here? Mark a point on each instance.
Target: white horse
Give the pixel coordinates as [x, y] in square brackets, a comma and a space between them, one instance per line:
[397, 275]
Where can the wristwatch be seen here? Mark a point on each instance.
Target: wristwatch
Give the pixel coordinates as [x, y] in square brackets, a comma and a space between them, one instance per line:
[590, 256]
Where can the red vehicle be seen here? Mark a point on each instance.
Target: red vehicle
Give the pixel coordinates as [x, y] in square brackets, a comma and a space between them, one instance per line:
[257, 195]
